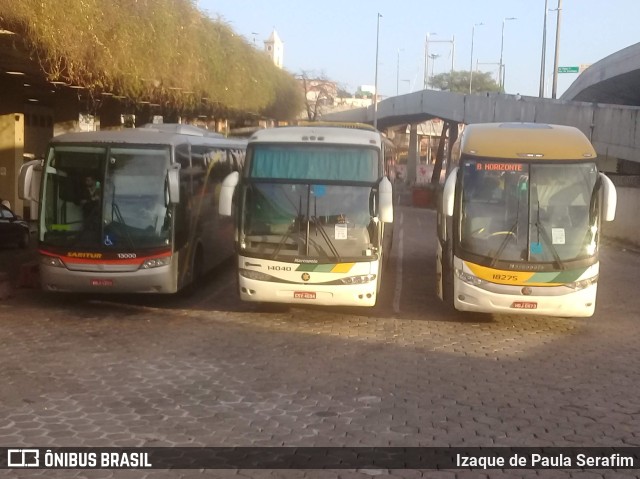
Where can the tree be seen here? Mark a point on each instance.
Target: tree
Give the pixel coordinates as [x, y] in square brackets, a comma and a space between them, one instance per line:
[319, 93]
[458, 82]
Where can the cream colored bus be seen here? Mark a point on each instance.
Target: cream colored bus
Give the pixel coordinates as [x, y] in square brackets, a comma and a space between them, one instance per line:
[314, 207]
[519, 222]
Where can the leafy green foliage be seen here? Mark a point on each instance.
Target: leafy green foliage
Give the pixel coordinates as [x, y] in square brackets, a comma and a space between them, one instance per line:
[458, 82]
[162, 51]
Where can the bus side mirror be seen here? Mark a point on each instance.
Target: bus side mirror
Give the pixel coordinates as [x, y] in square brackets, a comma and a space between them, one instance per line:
[29, 180]
[385, 192]
[448, 193]
[610, 198]
[173, 185]
[226, 193]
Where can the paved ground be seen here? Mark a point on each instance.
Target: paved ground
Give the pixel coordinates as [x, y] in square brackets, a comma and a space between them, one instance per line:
[210, 371]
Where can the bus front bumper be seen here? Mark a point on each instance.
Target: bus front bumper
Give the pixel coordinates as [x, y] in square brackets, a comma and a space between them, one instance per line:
[154, 280]
[342, 295]
[580, 303]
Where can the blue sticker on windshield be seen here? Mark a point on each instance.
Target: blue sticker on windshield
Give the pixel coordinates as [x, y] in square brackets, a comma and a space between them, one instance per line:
[536, 248]
[319, 190]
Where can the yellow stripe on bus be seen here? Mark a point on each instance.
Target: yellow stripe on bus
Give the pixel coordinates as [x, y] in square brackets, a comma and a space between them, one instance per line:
[500, 276]
[342, 267]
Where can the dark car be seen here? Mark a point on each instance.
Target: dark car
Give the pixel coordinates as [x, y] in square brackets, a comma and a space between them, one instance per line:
[13, 230]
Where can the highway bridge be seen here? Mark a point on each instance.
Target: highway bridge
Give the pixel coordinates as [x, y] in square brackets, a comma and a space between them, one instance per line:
[613, 129]
[604, 103]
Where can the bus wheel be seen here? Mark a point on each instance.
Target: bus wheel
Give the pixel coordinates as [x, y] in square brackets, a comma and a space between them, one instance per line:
[447, 286]
[197, 268]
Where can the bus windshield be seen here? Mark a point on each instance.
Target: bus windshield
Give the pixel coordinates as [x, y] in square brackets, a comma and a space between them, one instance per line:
[529, 212]
[315, 162]
[321, 221]
[95, 196]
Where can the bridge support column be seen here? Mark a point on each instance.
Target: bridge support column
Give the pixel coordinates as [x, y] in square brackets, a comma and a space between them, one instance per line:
[454, 127]
[412, 159]
[437, 167]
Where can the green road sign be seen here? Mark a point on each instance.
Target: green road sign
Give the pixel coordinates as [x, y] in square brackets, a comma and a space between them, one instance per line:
[568, 69]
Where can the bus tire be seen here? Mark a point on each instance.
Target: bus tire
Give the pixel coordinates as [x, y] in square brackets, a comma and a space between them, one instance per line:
[447, 286]
[197, 268]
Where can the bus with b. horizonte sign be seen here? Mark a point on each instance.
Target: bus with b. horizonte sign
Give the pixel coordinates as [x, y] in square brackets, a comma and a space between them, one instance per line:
[520, 220]
[314, 207]
[131, 211]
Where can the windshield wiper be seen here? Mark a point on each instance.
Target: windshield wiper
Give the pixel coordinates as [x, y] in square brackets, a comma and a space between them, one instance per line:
[512, 232]
[290, 230]
[323, 232]
[542, 231]
[116, 209]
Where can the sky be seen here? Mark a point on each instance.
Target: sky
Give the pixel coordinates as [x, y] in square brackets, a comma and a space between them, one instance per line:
[337, 39]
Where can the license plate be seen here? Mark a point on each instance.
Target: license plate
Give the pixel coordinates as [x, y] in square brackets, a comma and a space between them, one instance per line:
[101, 282]
[304, 295]
[524, 305]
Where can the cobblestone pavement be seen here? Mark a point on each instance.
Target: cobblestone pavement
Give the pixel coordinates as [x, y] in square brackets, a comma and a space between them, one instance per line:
[208, 370]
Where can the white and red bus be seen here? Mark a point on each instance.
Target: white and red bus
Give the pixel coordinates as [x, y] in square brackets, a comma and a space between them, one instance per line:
[132, 211]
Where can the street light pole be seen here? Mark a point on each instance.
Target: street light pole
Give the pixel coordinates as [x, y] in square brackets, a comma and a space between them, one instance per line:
[433, 57]
[375, 85]
[500, 72]
[473, 31]
[426, 60]
[398, 74]
[544, 49]
[557, 52]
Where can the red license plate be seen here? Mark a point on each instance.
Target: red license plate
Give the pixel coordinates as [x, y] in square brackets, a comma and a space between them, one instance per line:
[304, 295]
[101, 282]
[524, 305]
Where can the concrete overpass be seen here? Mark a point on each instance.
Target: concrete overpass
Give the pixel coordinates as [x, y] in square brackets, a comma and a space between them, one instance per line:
[613, 129]
[604, 102]
[614, 79]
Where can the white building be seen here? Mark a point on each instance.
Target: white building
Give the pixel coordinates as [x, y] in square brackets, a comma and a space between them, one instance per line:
[275, 48]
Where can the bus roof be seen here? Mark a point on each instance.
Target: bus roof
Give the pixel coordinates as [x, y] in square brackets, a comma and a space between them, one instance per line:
[318, 135]
[526, 141]
[166, 134]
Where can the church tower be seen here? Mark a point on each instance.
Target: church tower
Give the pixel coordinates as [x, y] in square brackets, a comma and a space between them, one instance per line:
[275, 48]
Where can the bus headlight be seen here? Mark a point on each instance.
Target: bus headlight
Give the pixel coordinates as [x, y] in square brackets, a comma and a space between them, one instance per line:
[256, 275]
[469, 278]
[156, 262]
[583, 283]
[365, 278]
[51, 261]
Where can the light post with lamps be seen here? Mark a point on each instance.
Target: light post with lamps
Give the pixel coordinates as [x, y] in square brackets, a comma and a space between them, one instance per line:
[544, 49]
[398, 72]
[473, 31]
[501, 69]
[375, 86]
[554, 89]
[426, 60]
[433, 57]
